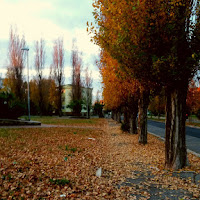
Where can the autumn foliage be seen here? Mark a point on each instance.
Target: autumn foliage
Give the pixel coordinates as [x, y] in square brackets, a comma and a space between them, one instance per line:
[120, 92]
[193, 98]
[158, 43]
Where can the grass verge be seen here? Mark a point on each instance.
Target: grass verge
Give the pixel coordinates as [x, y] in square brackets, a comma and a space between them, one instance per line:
[64, 121]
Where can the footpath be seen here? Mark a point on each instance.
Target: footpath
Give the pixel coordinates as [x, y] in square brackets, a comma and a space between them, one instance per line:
[143, 168]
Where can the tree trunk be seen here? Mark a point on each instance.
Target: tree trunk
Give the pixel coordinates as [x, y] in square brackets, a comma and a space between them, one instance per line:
[40, 98]
[133, 125]
[133, 116]
[118, 113]
[88, 112]
[60, 101]
[115, 115]
[126, 119]
[142, 118]
[112, 114]
[175, 146]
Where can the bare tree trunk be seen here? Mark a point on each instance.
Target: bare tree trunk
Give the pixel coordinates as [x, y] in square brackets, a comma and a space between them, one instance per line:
[39, 66]
[41, 104]
[112, 114]
[142, 118]
[58, 69]
[126, 118]
[118, 115]
[76, 80]
[60, 101]
[133, 116]
[115, 114]
[133, 123]
[133, 126]
[88, 84]
[175, 145]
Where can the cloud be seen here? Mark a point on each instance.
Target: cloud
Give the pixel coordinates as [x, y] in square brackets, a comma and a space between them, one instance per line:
[49, 19]
[69, 14]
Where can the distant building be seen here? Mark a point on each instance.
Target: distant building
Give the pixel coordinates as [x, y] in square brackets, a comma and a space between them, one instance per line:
[1, 83]
[66, 98]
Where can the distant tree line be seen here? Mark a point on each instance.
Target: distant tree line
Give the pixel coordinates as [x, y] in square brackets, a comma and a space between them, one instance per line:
[45, 92]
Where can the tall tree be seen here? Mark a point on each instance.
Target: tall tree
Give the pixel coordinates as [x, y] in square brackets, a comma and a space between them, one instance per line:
[39, 66]
[98, 106]
[16, 66]
[114, 21]
[120, 91]
[49, 96]
[76, 100]
[88, 86]
[158, 42]
[58, 69]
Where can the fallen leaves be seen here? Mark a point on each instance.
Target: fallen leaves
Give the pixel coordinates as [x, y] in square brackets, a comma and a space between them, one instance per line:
[56, 163]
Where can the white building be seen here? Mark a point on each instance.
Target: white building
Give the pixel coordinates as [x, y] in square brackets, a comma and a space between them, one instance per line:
[1, 82]
[66, 98]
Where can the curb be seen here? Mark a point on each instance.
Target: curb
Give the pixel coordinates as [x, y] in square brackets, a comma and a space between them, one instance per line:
[191, 126]
[13, 122]
[163, 139]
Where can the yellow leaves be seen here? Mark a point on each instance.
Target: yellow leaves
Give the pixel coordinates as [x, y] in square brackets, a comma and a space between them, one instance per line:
[117, 84]
[177, 3]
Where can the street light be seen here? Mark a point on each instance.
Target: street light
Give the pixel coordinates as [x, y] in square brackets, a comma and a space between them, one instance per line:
[27, 49]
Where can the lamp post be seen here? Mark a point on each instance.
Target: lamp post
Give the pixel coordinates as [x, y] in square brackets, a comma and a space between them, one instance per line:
[27, 49]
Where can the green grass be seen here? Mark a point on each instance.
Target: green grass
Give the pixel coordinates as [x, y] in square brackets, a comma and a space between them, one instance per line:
[66, 147]
[59, 181]
[8, 133]
[63, 121]
[70, 149]
[73, 149]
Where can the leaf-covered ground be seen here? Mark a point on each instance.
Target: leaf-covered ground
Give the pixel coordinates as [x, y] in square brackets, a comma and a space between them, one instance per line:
[61, 163]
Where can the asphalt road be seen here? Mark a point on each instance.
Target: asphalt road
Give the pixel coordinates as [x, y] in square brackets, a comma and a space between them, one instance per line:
[192, 134]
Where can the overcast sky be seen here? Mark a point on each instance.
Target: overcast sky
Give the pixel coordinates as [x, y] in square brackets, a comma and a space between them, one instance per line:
[50, 19]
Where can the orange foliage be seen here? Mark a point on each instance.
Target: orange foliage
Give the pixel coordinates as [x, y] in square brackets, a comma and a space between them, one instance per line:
[143, 33]
[193, 98]
[117, 85]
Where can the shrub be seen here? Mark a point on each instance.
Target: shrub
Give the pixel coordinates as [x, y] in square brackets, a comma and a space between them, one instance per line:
[198, 114]
[98, 109]
[11, 108]
[76, 106]
[125, 127]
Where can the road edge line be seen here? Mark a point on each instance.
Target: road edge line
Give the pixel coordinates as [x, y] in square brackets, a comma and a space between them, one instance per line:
[163, 139]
